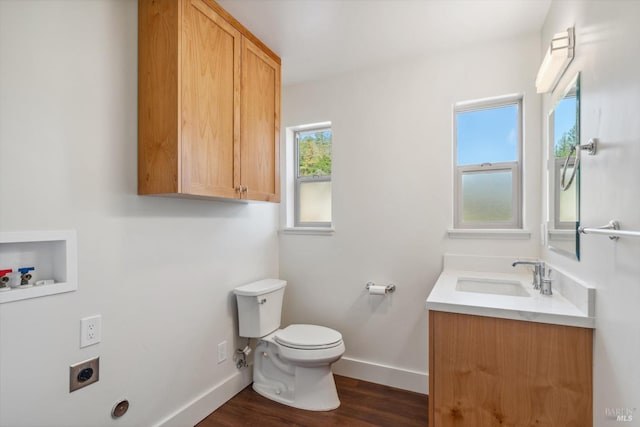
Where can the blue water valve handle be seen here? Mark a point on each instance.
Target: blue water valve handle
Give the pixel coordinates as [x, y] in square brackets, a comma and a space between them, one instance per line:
[25, 276]
[25, 270]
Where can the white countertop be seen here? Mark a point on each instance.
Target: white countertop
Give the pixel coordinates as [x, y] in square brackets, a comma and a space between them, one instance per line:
[555, 309]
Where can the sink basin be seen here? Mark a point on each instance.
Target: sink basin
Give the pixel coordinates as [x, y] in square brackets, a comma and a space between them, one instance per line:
[491, 286]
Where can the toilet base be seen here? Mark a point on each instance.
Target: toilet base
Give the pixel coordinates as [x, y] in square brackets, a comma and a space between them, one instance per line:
[309, 388]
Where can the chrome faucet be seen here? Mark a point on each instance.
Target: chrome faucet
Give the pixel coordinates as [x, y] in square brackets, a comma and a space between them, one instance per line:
[538, 273]
[545, 284]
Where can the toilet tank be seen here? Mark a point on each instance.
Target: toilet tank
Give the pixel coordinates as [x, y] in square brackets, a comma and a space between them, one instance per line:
[259, 307]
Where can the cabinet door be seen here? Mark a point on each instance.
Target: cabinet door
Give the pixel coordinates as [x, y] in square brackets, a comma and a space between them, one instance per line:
[485, 371]
[210, 103]
[260, 124]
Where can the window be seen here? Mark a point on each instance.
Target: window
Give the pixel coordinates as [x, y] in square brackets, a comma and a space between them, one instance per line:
[488, 152]
[312, 156]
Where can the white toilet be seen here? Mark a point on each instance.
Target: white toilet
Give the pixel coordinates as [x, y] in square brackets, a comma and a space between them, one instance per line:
[292, 365]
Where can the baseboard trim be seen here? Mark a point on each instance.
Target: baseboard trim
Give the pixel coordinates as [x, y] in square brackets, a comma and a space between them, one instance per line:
[198, 409]
[405, 379]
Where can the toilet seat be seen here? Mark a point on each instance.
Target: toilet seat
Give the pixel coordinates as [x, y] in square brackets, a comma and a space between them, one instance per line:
[308, 337]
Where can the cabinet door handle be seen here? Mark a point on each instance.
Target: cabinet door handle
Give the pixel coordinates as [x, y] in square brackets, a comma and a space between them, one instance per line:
[246, 189]
[239, 189]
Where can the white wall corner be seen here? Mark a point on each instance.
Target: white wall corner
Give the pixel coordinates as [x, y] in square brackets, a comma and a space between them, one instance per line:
[200, 407]
[382, 374]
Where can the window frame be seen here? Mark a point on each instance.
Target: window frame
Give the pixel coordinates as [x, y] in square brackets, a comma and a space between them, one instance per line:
[558, 163]
[299, 180]
[514, 166]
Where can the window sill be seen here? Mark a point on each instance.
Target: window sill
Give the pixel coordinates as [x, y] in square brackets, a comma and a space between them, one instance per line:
[309, 231]
[484, 233]
[562, 234]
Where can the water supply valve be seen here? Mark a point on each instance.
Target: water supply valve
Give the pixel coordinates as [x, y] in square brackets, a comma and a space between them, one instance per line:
[242, 356]
[4, 278]
[25, 276]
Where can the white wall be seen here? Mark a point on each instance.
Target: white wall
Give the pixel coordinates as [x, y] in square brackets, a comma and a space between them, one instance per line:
[608, 57]
[392, 201]
[159, 270]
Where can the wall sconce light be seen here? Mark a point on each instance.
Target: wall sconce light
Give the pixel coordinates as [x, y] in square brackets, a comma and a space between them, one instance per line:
[556, 60]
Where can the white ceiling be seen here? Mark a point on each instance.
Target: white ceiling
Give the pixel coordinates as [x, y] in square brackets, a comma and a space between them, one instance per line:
[317, 38]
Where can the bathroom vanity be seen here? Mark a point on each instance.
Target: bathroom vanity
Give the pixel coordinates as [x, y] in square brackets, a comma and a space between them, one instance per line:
[500, 353]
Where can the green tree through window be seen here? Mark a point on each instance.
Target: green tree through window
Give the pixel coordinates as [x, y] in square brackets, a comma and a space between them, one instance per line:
[314, 153]
[566, 141]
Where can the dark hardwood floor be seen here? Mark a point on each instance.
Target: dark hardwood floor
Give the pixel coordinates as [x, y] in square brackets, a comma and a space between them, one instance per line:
[362, 404]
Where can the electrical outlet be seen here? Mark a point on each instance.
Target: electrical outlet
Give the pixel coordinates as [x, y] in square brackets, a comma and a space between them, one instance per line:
[84, 373]
[90, 330]
[222, 351]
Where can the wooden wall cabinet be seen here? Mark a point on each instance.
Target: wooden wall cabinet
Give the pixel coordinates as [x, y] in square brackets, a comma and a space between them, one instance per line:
[485, 371]
[208, 104]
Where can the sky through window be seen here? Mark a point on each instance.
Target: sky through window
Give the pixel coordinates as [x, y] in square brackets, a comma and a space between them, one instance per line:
[487, 136]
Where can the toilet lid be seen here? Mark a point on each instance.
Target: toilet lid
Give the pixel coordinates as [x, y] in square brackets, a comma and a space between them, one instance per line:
[308, 337]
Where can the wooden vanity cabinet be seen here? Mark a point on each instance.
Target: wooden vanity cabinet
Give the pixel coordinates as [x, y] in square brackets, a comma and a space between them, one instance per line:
[208, 104]
[485, 371]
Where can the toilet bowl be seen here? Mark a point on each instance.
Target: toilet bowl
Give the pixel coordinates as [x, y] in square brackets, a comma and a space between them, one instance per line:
[292, 365]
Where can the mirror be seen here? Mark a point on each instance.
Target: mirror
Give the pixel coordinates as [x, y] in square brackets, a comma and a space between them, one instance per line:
[564, 204]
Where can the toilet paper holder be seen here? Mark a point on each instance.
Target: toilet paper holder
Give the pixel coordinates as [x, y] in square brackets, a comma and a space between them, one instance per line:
[388, 289]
